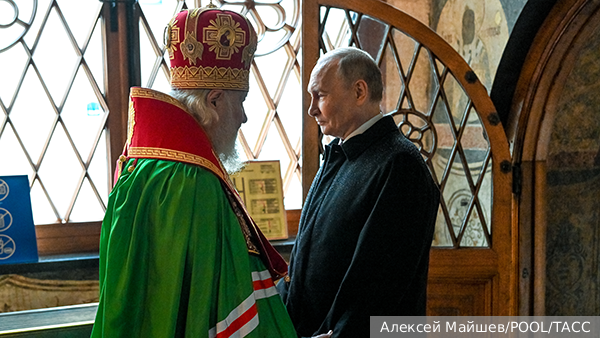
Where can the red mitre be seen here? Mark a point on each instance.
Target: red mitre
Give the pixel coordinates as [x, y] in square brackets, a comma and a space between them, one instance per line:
[161, 128]
[210, 48]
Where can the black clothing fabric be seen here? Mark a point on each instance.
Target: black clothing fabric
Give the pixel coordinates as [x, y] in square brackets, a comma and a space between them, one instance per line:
[364, 237]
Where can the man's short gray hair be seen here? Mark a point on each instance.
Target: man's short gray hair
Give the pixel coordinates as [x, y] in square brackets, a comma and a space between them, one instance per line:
[195, 102]
[355, 64]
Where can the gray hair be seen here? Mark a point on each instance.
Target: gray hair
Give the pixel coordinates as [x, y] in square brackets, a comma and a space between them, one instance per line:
[195, 101]
[355, 64]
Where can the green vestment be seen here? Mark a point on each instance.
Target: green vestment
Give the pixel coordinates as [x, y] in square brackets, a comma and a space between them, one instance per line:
[175, 263]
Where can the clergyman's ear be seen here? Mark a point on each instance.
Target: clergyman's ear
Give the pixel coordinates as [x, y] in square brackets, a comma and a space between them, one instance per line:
[214, 96]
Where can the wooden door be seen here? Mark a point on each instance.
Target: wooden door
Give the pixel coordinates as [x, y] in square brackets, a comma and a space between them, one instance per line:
[440, 104]
[554, 127]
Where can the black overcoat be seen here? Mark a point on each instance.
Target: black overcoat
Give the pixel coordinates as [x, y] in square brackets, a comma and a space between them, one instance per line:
[364, 237]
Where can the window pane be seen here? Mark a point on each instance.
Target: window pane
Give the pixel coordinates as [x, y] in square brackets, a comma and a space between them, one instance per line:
[55, 111]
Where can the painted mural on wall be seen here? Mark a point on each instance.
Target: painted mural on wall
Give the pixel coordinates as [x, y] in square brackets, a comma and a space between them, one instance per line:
[573, 178]
[478, 31]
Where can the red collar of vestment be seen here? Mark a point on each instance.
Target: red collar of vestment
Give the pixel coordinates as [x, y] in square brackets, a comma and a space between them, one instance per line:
[159, 127]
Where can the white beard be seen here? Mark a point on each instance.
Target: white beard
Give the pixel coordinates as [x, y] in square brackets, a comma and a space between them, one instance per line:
[231, 160]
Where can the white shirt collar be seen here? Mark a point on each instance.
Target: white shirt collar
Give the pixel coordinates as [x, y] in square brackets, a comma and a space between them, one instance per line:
[364, 127]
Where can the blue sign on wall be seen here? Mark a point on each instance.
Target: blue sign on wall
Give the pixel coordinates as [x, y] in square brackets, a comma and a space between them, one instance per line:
[17, 232]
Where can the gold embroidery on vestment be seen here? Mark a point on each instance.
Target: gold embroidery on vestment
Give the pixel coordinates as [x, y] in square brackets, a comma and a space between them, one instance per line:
[153, 94]
[207, 77]
[171, 37]
[175, 155]
[191, 49]
[249, 50]
[242, 221]
[130, 121]
[224, 36]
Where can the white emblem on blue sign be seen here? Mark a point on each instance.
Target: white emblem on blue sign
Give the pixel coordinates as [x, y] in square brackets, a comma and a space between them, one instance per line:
[7, 247]
[3, 190]
[5, 219]
[17, 232]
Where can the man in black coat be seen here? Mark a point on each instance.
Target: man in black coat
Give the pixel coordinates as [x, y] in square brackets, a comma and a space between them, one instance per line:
[367, 223]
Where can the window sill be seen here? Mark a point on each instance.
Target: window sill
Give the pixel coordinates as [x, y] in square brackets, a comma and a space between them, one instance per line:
[76, 320]
[59, 263]
[55, 263]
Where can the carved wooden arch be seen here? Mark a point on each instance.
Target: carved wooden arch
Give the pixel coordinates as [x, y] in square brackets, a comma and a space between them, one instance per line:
[530, 124]
[484, 279]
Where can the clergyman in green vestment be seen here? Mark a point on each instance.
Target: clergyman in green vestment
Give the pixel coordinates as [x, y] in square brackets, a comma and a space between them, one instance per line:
[179, 255]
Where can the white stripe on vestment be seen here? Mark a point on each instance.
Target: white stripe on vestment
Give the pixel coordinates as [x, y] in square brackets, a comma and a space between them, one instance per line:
[243, 307]
[262, 275]
[233, 315]
[263, 293]
[246, 329]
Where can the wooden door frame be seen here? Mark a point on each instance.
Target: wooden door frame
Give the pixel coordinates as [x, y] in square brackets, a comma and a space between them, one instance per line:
[529, 126]
[496, 265]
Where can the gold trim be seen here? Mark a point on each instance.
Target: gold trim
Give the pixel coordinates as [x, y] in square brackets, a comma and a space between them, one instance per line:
[171, 37]
[130, 121]
[224, 36]
[174, 155]
[209, 77]
[250, 49]
[191, 48]
[240, 215]
[153, 94]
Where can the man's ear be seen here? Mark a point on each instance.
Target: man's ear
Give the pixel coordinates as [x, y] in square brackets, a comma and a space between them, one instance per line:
[214, 96]
[361, 92]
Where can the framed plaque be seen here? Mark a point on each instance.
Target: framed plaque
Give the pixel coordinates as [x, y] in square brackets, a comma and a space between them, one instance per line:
[260, 186]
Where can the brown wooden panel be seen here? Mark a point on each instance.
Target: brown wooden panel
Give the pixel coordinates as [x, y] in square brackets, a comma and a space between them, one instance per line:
[293, 220]
[459, 297]
[53, 239]
[68, 238]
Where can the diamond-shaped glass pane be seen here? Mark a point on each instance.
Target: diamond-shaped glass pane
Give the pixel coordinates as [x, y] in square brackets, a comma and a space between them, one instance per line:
[43, 212]
[371, 35]
[87, 207]
[148, 58]
[86, 11]
[32, 33]
[94, 57]
[274, 148]
[405, 47]
[421, 82]
[60, 171]
[99, 168]
[13, 61]
[159, 13]
[337, 32]
[14, 161]
[56, 72]
[392, 82]
[161, 82]
[474, 234]
[272, 69]
[457, 100]
[26, 110]
[256, 110]
[289, 109]
[475, 145]
[83, 115]
[442, 235]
